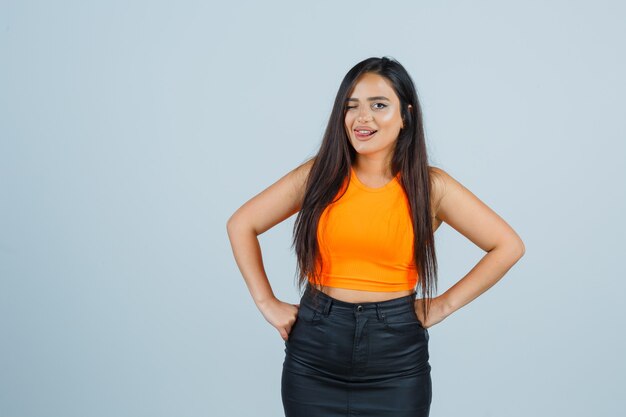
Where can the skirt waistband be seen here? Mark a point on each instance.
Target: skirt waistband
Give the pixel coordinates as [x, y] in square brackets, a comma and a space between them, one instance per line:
[323, 303]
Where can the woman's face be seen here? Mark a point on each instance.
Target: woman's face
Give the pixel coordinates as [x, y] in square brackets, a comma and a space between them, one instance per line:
[373, 105]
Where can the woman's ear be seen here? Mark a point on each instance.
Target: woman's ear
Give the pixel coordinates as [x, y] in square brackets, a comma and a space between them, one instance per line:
[403, 117]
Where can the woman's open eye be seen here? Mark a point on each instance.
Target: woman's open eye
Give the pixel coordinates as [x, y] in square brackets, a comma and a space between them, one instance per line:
[383, 105]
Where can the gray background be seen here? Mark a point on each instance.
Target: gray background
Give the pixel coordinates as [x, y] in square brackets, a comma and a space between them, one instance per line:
[131, 131]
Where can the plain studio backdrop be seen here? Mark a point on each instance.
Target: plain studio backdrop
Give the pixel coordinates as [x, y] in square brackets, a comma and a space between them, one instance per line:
[131, 131]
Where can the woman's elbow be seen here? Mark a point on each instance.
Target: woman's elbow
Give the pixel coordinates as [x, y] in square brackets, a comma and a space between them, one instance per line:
[517, 247]
[233, 223]
[239, 223]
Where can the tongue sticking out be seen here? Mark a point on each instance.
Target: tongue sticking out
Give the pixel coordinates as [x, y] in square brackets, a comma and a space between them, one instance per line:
[364, 134]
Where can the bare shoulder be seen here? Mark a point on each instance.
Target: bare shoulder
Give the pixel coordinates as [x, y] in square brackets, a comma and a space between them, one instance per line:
[275, 203]
[438, 180]
[442, 185]
[299, 177]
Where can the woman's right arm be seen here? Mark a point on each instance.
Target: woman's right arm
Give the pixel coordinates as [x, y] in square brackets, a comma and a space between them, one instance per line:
[271, 206]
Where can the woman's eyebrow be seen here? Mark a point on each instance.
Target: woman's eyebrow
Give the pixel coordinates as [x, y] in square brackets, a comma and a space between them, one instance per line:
[370, 98]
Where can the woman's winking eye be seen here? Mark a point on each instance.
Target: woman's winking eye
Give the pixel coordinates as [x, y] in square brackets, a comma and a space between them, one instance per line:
[373, 104]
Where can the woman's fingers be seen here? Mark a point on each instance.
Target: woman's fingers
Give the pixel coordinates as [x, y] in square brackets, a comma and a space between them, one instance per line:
[283, 333]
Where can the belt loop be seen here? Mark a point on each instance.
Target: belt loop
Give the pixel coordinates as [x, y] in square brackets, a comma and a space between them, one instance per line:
[378, 312]
[329, 301]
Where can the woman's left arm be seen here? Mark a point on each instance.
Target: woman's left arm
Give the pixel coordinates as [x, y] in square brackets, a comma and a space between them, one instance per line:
[468, 215]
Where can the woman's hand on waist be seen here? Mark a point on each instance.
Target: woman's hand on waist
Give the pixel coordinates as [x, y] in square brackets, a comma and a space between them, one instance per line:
[436, 313]
[281, 315]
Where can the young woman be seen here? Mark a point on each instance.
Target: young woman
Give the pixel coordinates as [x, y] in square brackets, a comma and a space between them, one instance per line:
[368, 205]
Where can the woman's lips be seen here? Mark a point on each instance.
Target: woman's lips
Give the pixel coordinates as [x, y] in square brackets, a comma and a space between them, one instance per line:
[364, 137]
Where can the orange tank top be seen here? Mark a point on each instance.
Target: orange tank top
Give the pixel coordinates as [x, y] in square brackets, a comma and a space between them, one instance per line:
[366, 238]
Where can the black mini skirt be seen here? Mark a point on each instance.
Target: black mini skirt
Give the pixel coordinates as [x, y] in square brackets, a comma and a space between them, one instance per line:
[356, 359]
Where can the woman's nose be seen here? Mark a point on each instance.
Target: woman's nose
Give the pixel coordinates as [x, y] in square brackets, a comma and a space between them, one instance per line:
[364, 115]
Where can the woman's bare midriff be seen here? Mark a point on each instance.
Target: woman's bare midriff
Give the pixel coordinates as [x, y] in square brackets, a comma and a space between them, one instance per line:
[357, 296]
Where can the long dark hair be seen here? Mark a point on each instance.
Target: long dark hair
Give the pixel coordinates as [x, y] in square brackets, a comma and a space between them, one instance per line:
[332, 164]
